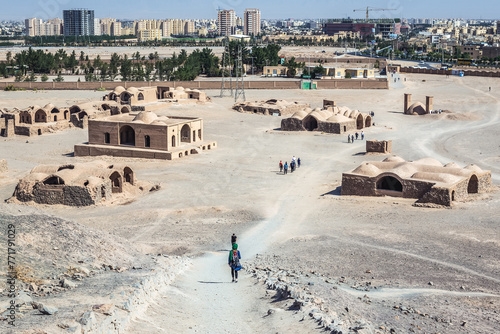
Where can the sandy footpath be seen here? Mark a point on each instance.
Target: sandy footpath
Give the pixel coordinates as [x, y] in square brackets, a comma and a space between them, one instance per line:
[371, 256]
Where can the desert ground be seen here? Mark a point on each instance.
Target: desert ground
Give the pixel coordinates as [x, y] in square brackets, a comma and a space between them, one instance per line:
[369, 265]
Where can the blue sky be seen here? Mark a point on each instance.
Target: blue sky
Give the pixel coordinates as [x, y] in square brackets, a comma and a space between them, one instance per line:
[206, 9]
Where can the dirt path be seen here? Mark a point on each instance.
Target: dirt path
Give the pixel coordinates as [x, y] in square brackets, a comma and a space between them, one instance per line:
[204, 299]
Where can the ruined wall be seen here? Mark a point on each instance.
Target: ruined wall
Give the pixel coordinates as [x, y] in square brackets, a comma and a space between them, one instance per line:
[292, 124]
[437, 195]
[375, 146]
[415, 188]
[484, 182]
[357, 185]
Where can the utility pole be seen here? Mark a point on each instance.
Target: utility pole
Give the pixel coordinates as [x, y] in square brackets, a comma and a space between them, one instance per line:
[240, 85]
[226, 65]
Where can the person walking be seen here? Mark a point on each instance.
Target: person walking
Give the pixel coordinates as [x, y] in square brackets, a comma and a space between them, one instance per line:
[292, 166]
[362, 135]
[281, 166]
[285, 168]
[233, 239]
[234, 262]
[357, 136]
[349, 139]
[298, 162]
[352, 139]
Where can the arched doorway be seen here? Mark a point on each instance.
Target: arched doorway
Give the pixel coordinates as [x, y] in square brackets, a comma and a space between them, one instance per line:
[40, 116]
[125, 110]
[53, 181]
[473, 186]
[129, 175]
[116, 182]
[359, 122]
[186, 134]
[389, 183]
[140, 97]
[66, 114]
[125, 98]
[310, 123]
[75, 109]
[368, 121]
[173, 141]
[127, 135]
[453, 195]
[147, 141]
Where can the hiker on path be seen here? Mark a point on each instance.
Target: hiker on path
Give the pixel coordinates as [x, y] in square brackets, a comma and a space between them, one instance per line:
[298, 162]
[281, 166]
[234, 262]
[233, 239]
[285, 168]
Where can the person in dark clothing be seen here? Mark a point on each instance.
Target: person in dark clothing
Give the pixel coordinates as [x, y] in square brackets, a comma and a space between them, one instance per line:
[298, 162]
[281, 166]
[285, 168]
[234, 262]
[233, 239]
[357, 136]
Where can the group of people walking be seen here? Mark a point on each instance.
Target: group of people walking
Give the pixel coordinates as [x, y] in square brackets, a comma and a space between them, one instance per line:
[294, 163]
[351, 138]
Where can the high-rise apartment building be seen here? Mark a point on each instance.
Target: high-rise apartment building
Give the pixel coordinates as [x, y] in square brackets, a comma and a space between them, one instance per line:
[110, 27]
[36, 27]
[226, 22]
[78, 22]
[251, 21]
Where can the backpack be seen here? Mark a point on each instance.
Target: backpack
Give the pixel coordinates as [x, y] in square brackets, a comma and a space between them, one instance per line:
[235, 263]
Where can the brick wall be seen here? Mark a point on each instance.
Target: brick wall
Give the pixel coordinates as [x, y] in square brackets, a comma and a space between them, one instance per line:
[289, 84]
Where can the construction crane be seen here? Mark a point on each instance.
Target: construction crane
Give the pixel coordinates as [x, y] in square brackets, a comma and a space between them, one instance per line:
[369, 9]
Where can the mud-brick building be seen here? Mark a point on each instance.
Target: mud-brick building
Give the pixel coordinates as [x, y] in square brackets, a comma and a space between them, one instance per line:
[145, 135]
[426, 180]
[80, 184]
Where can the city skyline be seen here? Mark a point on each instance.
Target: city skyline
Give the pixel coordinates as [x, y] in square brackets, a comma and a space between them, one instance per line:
[280, 9]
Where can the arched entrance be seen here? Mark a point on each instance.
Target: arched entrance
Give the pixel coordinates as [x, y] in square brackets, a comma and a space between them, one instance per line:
[66, 114]
[125, 98]
[473, 186]
[125, 110]
[140, 97]
[389, 183]
[116, 182]
[40, 116]
[127, 135]
[147, 141]
[359, 122]
[53, 181]
[173, 141]
[368, 121]
[310, 123]
[186, 134]
[129, 175]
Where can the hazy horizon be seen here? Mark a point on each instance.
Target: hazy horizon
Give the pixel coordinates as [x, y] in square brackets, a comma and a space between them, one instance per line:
[278, 9]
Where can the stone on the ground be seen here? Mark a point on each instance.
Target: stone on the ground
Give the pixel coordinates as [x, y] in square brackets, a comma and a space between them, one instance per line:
[48, 310]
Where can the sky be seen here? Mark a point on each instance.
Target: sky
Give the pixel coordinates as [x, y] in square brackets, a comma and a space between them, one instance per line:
[270, 9]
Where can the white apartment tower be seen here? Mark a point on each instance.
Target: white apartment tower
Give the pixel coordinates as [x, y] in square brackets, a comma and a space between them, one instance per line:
[251, 21]
[226, 22]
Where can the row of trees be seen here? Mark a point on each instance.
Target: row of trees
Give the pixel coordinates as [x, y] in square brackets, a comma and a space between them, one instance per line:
[183, 67]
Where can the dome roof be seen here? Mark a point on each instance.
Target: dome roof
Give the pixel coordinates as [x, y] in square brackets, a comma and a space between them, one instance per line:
[146, 116]
[300, 114]
[179, 88]
[474, 168]
[452, 165]
[416, 108]
[436, 177]
[429, 161]
[118, 90]
[394, 158]
[133, 90]
[49, 106]
[337, 119]
[367, 169]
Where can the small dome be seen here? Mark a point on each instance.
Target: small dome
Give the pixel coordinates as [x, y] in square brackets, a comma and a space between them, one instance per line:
[49, 106]
[133, 90]
[179, 88]
[429, 161]
[474, 168]
[416, 108]
[367, 169]
[394, 158]
[452, 165]
[338, 119]
[300, 114]
[146, 116]
[118, 90]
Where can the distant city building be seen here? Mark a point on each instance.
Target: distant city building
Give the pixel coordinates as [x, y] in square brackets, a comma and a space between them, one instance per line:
[36, 27]
[97, 27]
[226, 22]
[78, 22]
[251, 21]
[364, 29]
[110, 27]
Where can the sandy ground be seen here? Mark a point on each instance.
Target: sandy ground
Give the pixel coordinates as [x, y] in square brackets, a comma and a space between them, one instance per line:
[443, 262]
